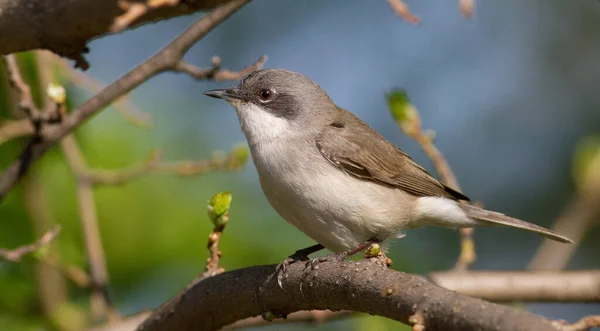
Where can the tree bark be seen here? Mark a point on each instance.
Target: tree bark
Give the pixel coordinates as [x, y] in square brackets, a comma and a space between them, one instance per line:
[66, 26]
[362, 286]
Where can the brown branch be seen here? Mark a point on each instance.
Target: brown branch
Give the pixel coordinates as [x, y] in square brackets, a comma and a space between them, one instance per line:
[16, 254]
[524, 286]
[153, 164]
[14, 129]
[409, 121]
[581, 215]
[212, 263]
[75, 274]
[215, 72]
[466, 7]
[135, 10]
[26, 104]
[585, 324]
[100, 299]
[362, 286]
[166, 59]
[31, 24]
[123, 104]
[401, 9]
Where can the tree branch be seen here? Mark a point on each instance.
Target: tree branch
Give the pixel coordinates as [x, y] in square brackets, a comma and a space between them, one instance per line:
[100, 300]
[166, 59]
[580, 216]
[362, 286]
[14, 129]
[524, 286]
[15, 255]
[32, 24]
[408, 119]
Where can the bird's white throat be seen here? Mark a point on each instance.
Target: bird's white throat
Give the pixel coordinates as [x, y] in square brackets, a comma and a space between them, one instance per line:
[258, 124]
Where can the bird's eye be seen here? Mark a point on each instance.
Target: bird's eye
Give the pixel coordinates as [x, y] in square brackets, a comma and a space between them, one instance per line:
[265, 95]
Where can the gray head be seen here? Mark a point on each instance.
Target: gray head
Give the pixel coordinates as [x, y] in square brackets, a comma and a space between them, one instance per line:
[275, 102]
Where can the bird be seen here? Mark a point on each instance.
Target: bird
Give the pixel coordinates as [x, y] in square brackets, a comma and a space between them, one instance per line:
[336, 179]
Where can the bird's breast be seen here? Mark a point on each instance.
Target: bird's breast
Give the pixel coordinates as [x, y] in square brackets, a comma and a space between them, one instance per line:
[335, 209]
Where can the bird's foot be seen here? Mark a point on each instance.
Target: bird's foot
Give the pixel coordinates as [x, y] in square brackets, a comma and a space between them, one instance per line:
[314, 262]
[299, 255]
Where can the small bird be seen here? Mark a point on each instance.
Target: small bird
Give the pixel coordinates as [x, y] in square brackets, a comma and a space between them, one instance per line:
[336, 179]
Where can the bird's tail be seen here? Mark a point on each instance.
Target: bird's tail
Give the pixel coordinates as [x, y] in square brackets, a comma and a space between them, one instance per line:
[492, 218]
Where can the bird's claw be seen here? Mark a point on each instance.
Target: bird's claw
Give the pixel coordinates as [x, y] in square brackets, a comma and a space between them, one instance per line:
[281, 269]
[314, 263]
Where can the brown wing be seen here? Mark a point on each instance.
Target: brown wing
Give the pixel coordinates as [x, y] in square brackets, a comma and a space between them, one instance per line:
[361, 152]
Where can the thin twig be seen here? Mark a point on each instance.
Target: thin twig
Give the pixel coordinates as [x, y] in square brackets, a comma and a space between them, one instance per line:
[216, 72]
[14, 129]
[409, 120]
[466, 7]
[212, 263]
[100, 300]
[584, 324]
[135, 10]
[15, 79]
[123, 105]
[218, 212]
[16, 254]
[77, 275]
[165, 60]
[153, 164]
[401, 9]
[579, 217]
[26, 104]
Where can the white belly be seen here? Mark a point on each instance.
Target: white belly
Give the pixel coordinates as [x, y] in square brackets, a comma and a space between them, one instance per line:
[334, 209]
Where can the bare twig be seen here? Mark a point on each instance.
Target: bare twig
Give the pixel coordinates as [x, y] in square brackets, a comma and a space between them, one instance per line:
[524, 286]
[218, 212]
[581, 215]
[466, 7]
[77, 275]
[154, 165]
[409, 120]
[15, 79]
[363, 286]
[135, 10]
[123, 105]
[16, 254]
[166, 59]
[100, 299]
[215, 72]
[585, 324]
[14, 129]
[401, 9]
[26, 103]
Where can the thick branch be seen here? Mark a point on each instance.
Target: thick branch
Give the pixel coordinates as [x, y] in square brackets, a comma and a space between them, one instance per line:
[33, 24]
[361, 286]
[166, 59]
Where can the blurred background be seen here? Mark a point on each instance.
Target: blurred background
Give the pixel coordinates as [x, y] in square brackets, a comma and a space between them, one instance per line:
[510, 93]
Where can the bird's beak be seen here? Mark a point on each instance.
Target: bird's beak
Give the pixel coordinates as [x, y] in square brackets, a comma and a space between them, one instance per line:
[229, 94]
